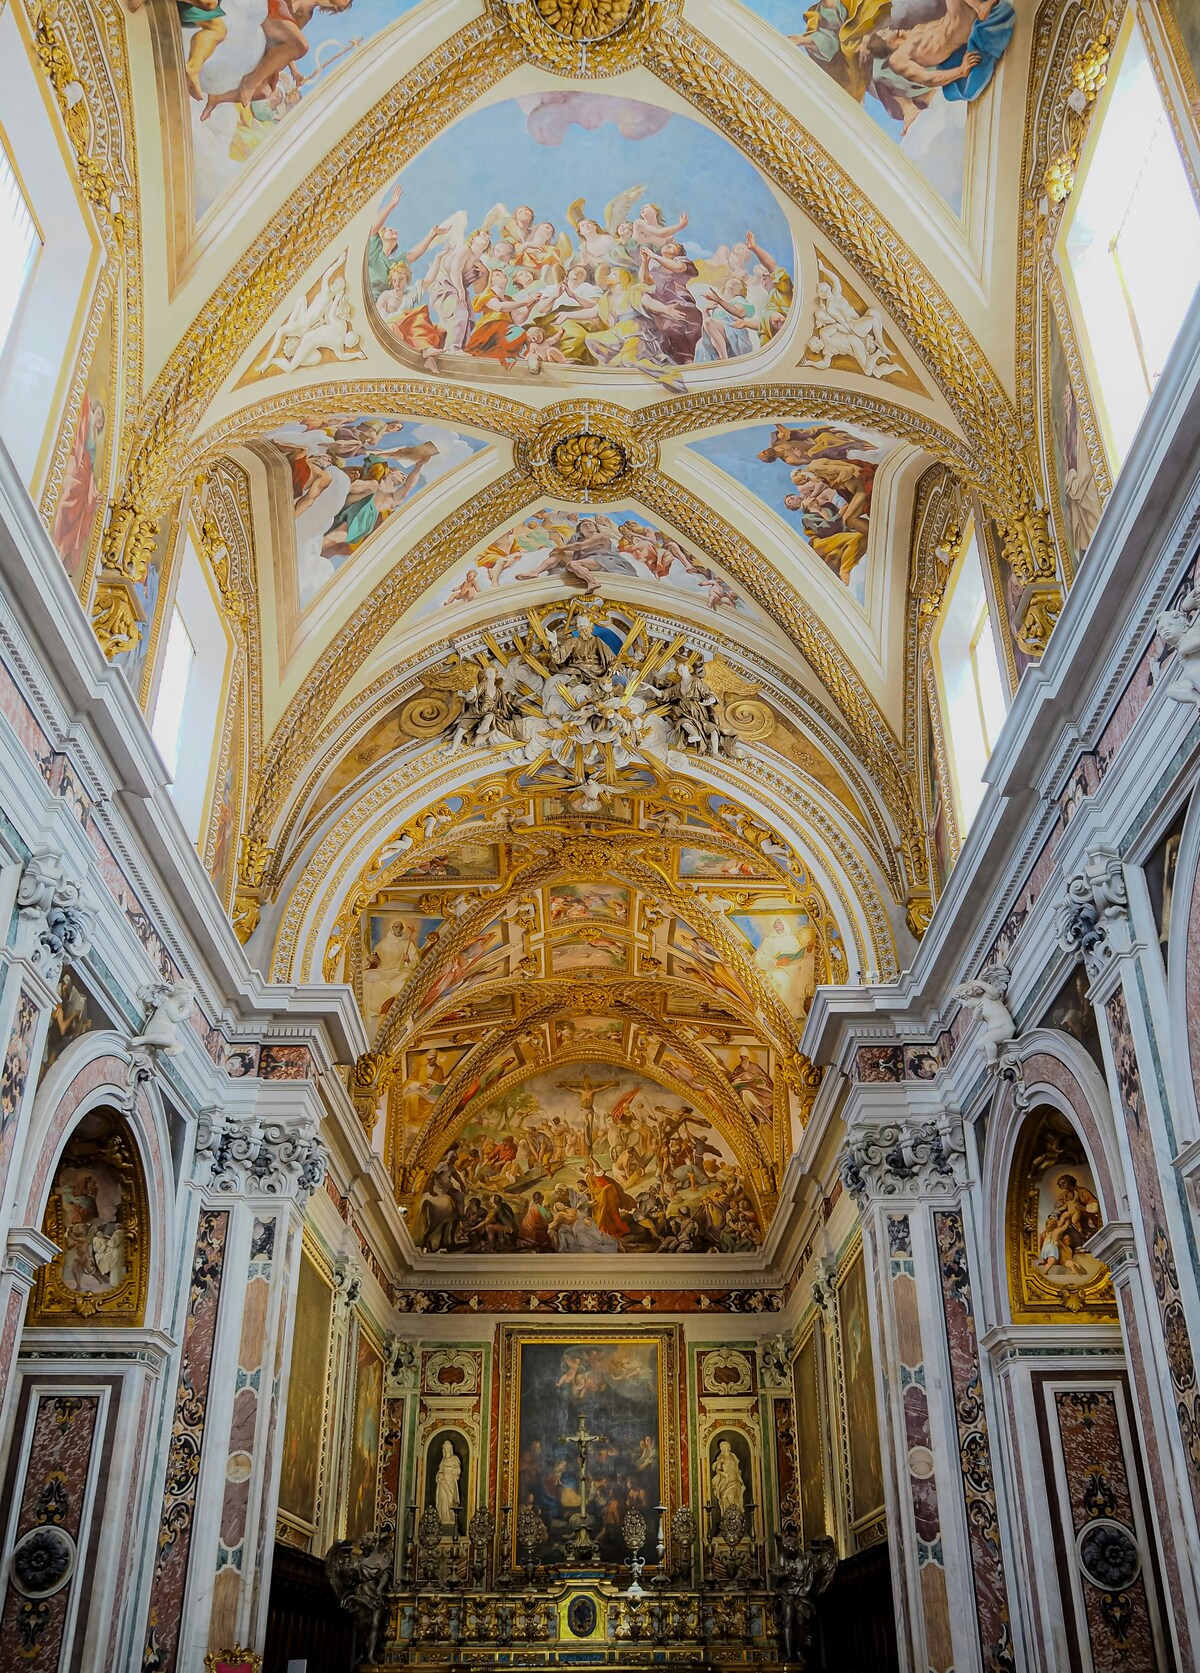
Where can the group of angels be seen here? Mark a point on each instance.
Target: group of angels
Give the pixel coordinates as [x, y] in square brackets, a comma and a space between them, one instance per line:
[625, 292]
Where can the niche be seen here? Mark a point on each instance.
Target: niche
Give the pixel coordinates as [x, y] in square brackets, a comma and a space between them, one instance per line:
[98, 1216]
[1053, 1209]
[447, 1480]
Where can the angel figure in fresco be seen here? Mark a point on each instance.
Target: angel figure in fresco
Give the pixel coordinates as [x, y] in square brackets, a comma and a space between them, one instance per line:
[285, 43]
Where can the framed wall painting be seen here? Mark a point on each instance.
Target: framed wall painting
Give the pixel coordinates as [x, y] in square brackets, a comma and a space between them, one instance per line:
[624, 1387]
[362, 1474]
[304, 1432]
[858, 1383]
[810, 1432]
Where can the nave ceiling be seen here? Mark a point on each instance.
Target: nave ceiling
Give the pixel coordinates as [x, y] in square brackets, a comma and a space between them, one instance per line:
[474, 338]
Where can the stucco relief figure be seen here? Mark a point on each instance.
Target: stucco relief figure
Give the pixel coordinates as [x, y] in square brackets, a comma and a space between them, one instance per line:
[1179, 629]
[728, 1487]
[446, 1484]
[839, 328]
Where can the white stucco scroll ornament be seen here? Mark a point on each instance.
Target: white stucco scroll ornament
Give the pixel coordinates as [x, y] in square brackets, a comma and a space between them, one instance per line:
[1092, 921]
[54, 926]
[1179, 630]
[986, 995]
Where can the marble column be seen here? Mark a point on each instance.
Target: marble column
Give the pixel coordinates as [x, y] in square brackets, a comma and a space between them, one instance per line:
[253, 1173]
[904, 1164]
[1106, 918]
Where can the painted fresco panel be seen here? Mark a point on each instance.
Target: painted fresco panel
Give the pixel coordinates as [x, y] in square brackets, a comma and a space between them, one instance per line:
[588, 1158]
[81, 499]
[249, 70]
[396, 937]
[353, 474]
[810, 1438]
[570, 229]
[914, 67]
[303, 1436]
[817, 477]
[581, 548]
[784, 952]
[613, 1387]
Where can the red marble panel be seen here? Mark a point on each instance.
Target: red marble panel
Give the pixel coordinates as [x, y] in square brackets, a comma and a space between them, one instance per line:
[1098, 1491]
[52, 1495]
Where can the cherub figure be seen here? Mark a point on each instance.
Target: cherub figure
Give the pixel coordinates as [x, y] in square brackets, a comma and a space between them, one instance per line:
[1179, 629]
[986, 998]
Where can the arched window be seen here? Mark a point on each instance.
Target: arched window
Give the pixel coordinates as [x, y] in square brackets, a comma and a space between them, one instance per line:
[1130, 240]
[192, 679]
[19, 244]
[971, 688]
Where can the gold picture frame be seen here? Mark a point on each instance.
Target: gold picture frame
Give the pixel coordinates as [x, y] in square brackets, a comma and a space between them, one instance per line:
[1042, 1289]
[585, 1347]
[98, 1216]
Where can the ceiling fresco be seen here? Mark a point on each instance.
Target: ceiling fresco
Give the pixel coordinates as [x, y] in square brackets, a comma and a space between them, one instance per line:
[587, 552]
[573, 414]
[819, 478]
[649, 244]
[353, 474]
[251, 73]
[914, 67]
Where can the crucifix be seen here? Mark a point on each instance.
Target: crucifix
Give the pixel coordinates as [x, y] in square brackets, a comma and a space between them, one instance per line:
[583, 1548]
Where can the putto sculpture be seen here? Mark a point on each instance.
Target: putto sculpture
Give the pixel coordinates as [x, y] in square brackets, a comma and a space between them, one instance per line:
[985, 996]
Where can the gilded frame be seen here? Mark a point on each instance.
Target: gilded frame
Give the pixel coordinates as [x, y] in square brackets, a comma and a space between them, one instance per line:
[1032, 1298]
[667, 1338]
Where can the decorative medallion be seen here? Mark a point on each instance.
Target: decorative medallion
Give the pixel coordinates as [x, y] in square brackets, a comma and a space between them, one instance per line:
[593, 454]
[585, 20]
[586, 37]
[581, 1616]
[588, 463]
[1108, 1555]
[43, 1560]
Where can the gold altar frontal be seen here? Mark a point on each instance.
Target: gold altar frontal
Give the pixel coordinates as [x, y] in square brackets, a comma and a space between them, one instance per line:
[581, 1621]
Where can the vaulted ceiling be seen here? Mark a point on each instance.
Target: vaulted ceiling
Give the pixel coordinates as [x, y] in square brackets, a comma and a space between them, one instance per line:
[482, 335]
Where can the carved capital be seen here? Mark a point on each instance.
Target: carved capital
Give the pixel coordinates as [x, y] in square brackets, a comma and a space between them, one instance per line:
[54, 927]
[775, 1361]
[1093, 921]
[276, 1158]
[401, 1366]
[889, 1160]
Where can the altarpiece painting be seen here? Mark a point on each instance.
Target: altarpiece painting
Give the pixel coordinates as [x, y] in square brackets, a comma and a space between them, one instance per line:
[590, 1432]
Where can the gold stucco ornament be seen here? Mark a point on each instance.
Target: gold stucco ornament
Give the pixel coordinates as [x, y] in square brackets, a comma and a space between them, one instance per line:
[585, 20]
[589, 462]
[587, 451]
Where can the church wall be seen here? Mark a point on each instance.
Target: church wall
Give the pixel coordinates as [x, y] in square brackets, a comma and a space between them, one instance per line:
[1014, 1373]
